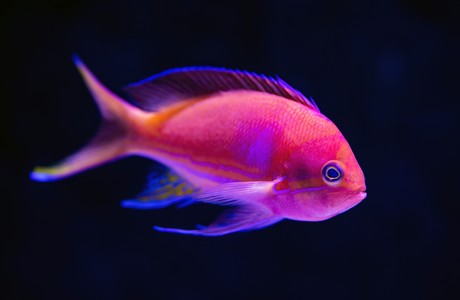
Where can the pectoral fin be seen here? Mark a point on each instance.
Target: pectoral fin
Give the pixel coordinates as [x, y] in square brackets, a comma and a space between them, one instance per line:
[239, 218]
[237, 193]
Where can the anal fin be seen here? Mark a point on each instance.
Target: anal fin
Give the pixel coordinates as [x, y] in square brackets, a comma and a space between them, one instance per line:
[248, 211]
[238, 218]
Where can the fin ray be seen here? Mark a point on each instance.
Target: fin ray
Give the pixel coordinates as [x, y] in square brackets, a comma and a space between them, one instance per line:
[109, 143]
[104, 147]
[237, 193]
[239, 218]
[162, 191]
[248, 212]
[185, 83]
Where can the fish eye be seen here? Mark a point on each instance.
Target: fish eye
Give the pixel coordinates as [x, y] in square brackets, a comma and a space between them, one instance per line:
[332, 173]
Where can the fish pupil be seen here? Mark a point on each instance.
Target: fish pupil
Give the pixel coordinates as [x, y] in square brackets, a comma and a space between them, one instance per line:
[333, 173]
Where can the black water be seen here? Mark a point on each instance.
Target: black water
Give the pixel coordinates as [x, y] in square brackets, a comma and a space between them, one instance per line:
[386, 72]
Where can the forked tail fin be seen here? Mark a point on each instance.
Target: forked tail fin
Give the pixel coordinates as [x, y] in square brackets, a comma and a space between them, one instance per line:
[110, 143]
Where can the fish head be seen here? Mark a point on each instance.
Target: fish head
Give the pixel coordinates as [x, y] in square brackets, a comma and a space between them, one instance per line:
[323, 179]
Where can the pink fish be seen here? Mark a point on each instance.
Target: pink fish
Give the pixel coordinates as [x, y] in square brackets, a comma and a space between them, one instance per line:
[229, 138]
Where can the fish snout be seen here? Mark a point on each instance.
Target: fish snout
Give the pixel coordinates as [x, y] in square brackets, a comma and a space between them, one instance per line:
[362, 195]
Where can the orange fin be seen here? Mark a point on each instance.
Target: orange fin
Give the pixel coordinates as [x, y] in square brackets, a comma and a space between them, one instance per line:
[108, 144]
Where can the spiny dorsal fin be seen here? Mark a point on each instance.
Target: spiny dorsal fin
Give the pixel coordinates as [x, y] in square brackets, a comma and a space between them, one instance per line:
[176, 84]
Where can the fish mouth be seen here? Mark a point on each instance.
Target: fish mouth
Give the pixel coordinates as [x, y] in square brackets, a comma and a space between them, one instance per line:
[358, 197]
[343, 204]
[354, 199]
[362, 195]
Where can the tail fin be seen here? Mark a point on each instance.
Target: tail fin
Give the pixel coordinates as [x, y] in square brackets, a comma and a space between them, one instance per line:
[109, 143]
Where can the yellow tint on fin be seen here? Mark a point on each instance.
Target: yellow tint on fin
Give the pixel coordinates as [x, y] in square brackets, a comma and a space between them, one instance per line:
[99, 151]
[110, 142]
[161, 191]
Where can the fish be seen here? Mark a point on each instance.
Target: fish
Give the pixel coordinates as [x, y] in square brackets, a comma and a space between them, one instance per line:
[249, 142]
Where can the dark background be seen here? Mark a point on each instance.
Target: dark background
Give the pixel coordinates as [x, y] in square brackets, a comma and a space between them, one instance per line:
[384, 71]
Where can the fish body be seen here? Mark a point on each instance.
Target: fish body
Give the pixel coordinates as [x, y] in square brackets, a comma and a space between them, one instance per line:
[229, 138]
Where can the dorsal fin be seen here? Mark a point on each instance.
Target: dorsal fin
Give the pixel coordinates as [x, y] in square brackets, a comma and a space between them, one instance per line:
[177, 84]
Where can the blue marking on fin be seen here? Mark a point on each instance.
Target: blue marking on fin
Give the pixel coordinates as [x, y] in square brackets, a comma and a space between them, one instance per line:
[42, 177]
[178, 70]
[137, 204]
[186, 202]
[76, 59]
[314, 103]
